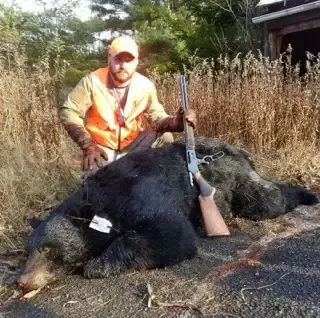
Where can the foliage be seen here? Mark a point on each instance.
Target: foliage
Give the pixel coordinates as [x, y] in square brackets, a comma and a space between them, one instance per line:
[171, 31]
[54, 33]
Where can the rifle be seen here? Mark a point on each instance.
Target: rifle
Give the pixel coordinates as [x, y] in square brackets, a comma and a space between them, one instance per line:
[213, 221]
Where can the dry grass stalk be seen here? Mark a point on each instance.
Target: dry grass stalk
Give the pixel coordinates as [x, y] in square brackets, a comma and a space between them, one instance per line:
[251, 103]
[246, 101]
[35, 157]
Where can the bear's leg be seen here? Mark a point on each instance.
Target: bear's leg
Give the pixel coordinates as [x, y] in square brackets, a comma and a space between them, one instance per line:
[157, 243]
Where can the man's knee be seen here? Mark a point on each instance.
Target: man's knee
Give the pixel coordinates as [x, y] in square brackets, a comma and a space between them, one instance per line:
[167, 138]
[162, 140]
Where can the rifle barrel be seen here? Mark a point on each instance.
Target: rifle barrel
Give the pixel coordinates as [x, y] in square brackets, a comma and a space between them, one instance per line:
[184, 92]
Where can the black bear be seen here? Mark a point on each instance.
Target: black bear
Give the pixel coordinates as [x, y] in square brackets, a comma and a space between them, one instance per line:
[149, 211]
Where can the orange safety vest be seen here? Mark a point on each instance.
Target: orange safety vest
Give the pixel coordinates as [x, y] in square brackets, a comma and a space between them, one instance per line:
[102, 119]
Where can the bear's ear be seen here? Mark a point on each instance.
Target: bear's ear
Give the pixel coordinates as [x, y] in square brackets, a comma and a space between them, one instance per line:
[34, 222]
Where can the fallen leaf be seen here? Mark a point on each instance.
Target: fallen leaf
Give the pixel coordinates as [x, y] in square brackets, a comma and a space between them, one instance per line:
[70, 302]
[31, 294]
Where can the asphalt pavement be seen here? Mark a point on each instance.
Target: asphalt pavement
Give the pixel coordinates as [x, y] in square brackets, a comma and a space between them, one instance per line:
[280, 279]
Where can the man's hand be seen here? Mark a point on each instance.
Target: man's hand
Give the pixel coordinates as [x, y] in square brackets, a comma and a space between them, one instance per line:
[190, 115]
[92, 153]
[175, 123]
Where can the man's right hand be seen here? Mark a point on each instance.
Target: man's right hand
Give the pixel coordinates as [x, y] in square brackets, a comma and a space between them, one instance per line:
[93, 153]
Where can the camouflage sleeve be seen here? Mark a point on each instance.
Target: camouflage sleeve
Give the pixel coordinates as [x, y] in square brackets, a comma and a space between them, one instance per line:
[72, 113]
[155, 112]
[159, 119]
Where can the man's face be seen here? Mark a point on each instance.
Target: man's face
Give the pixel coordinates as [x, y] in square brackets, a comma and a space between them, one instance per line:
[123, 66]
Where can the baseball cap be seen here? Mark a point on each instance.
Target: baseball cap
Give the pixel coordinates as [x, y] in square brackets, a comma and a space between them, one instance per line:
[123, 44]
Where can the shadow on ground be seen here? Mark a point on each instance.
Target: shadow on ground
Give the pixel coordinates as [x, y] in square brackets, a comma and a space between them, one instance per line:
[265, 269]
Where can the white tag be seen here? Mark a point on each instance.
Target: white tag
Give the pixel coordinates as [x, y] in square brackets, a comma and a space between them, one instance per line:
[100, 224]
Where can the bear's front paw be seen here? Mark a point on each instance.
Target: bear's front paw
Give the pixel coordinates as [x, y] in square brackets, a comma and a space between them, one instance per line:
[96, 268]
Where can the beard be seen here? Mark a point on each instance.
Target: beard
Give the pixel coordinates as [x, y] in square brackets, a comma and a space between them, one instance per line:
[121, 76]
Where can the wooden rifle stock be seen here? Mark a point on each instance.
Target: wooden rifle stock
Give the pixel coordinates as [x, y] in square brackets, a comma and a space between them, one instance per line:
[213, 221]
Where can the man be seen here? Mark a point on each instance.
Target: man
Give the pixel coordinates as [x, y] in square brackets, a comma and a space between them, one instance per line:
[103, 114]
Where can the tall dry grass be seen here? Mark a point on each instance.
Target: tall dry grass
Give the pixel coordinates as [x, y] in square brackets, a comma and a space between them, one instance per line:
[35, 158]
[262, 105]
[247, 101]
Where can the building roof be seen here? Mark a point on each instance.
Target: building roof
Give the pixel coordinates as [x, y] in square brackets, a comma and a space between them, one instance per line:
[268, 2]
[313, 5]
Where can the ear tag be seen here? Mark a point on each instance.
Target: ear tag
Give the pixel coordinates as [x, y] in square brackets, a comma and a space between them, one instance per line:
[100, 224]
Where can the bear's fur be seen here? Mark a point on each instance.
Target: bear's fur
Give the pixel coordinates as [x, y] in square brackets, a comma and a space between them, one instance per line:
[154, 210]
